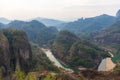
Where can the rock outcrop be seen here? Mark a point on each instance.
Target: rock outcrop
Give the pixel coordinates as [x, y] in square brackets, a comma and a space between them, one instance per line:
[15, 50]
[4, 53]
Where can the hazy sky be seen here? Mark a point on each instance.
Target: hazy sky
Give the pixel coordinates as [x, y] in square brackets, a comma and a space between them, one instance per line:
[57, 9]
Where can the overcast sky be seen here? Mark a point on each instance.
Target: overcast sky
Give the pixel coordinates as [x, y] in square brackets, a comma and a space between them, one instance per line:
[57, 9]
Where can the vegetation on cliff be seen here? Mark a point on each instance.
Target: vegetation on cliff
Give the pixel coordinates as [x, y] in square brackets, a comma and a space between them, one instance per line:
[76, 52]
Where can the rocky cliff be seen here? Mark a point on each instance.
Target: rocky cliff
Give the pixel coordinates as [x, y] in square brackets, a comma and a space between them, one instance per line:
[15, 50]
[4, 53]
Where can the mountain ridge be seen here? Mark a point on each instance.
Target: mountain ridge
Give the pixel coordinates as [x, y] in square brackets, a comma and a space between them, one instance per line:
[83, 26]
[48, 22]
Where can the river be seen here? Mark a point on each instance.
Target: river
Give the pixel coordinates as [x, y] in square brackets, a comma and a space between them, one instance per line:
[105, 65]
[53, 59]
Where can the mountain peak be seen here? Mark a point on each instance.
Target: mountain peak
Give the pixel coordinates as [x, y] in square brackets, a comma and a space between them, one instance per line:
[104, 15]
[36, 23]
[48, 21]
[118, 15]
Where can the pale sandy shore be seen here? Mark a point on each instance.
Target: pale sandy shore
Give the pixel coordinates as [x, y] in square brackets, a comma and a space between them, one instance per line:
[107, 64]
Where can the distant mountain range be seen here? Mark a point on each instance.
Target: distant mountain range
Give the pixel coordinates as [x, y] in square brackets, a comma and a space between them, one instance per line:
[45, 21]
[2, 25]
[4, 21]
[82, 27]
[49, 22]
[79, 26]
[110, 34]
[87, 25]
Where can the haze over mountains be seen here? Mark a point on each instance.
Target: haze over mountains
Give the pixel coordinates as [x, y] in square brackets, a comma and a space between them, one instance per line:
[4, 21]
[58, 23]
[80, 25]
[111, 34]
[83, 27]
[81, 44]
[49, 22]
[87, 25]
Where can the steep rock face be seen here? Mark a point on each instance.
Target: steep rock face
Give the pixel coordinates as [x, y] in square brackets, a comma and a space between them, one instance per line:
[4, 53]
[20, 49]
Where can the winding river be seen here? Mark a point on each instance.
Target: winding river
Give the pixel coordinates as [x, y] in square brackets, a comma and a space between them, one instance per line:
[53, 59]
[105, 65]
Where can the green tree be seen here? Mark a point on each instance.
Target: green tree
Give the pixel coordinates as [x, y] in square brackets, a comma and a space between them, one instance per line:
[31, 76]
[19, 75]
[50, 77]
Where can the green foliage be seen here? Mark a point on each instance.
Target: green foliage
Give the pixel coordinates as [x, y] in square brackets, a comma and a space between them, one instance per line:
[117, 68]
[84, 54]
[116, 57]
[76, 52]
[84, 62]
[19, 75]
[31, 77]
[63, 42]
[36, 31]
[50, 77]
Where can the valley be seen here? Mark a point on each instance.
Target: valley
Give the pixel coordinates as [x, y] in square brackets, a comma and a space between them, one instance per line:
[49, 49]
